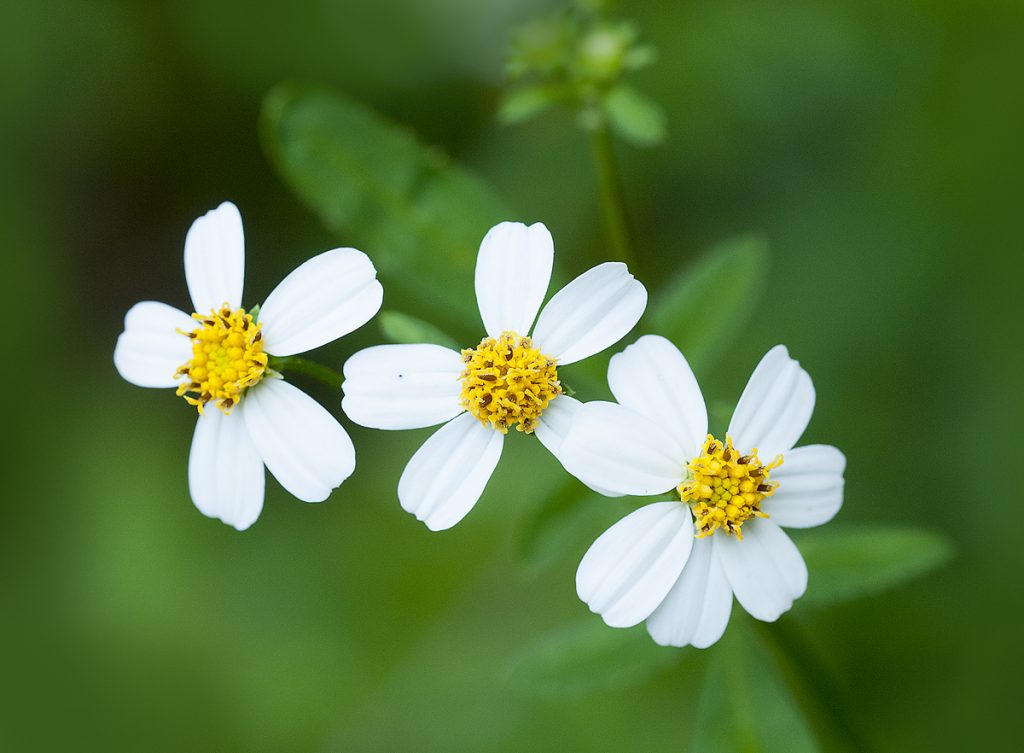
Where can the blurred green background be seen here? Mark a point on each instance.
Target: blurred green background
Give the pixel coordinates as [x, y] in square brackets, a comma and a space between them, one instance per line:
[876, 146]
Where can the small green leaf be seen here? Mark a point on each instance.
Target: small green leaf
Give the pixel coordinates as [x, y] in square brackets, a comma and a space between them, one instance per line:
[847, 563]
[589, 656]
[525, 102]
[707, 305]
[402, 328]
[746, 706]
[635, 116]
[419, 217]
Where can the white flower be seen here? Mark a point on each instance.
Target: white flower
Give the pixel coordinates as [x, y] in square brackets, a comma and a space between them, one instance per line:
[219, 355]
[507, 380]
[677, 564]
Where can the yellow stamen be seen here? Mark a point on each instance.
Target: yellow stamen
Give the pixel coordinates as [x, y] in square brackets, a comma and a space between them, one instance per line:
[507, 382]
[724, 488]
[227, 358]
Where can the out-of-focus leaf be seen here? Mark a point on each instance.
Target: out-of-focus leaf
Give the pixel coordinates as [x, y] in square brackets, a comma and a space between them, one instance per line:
[523, 103]
[418, 215]
[709, 302]
[402, 328]
[846, 563]
[635, 116]
[588, 656]
[746, 706]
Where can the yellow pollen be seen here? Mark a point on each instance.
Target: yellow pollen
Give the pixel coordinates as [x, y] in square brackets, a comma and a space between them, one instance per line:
[507, 382]
[227, 358]
[724, 488]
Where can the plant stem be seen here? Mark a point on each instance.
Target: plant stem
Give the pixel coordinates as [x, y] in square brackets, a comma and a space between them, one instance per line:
[814, 687]
[297, 365]
[610, 189]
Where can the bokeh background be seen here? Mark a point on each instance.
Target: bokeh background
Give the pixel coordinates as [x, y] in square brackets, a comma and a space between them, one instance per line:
[874, 145]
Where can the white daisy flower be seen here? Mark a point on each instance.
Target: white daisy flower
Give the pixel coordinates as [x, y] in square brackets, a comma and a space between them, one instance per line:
[508, 380]
[677, 564]
[217, 359]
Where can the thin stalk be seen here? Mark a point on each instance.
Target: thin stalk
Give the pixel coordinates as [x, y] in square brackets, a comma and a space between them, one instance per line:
[610, 189]
[312, 369]
[814, 687]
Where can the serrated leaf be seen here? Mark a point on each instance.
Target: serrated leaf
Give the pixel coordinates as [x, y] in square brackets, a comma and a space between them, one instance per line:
[847, 563]
[708, 303]
[746, 706]
[373, 183]
[634, 116]
[405, 329]
[589, 656]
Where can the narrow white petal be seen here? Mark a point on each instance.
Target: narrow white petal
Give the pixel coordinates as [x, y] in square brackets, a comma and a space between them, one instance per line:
[775, 406]
[151, 348]
[696, 610]
[810, 487]
[447, 475]
[765, 569]
[215, 259]
[611, 447]
[402, 386]
[593, 311]
[652, 377]
[627, 572]
[513, 270]
[302, 444]
[322, 299]
[553, 426]
[225, 473]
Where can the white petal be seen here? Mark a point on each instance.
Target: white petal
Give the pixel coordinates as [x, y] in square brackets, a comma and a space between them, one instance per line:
[775, 406]
[402, 386]
[652, 377]
[225, 473]
[765, 570]
[696, 610]
[322, 299]
[553, 425]
[627, 572]
[513, 270]
[611, 447]
[302, 444]
[151, 348]
[447, 475]
[593, 311]
[215, 259]
[810, 487]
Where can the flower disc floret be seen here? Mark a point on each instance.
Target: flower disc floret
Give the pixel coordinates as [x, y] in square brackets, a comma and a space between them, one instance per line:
[227, 359]
[725, 489]
[508, 382]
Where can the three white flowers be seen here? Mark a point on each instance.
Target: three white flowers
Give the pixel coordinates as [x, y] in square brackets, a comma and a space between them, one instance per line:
[674, 563]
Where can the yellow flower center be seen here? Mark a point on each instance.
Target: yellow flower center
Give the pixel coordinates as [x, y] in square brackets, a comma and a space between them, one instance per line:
[227, 358]
[725, 488]
[507, 381]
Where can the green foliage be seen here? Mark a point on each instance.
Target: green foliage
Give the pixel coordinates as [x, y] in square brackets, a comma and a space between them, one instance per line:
[374, 184]
[847, 563]
[634, 116]
[709, 302]
[403, 328]
[746, 706]
[589, 656]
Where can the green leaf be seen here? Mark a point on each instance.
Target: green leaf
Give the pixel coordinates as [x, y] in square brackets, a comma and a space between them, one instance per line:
[419, 216]
[634, 116]
[707, 305]
[405, 329]
[523, 103]
[746, 706]
[847, 563]
[589, 656]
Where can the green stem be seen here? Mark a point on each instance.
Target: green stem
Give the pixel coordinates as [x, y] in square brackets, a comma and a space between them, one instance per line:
[814, 687]
[610, 189]
[297, 365]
